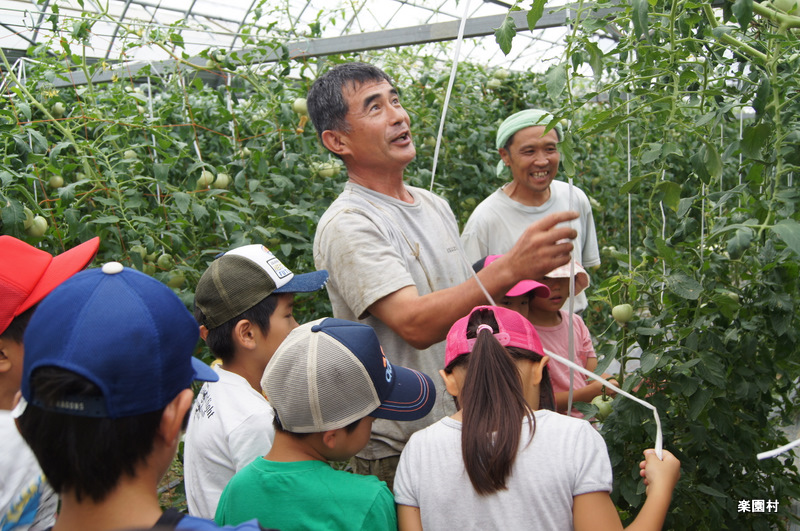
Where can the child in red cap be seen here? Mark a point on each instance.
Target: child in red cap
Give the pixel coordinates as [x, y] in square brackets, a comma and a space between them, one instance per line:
[27, 275]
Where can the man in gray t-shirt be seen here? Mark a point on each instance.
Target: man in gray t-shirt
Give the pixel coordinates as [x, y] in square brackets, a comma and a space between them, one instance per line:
[393, 251]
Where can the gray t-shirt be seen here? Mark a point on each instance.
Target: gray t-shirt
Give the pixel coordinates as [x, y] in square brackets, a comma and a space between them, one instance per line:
[565, 458]
[498, 221]
[373, 245]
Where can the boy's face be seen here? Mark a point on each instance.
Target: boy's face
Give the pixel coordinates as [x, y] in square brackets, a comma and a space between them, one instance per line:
[519, 303]
[281, 322]
[11, 355]
[559, 291]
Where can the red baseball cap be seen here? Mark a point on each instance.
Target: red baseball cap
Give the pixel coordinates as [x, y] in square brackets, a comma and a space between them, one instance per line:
[28, 274]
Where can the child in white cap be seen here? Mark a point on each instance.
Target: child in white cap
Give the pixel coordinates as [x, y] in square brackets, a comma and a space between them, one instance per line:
[327, 382]
[552, 324]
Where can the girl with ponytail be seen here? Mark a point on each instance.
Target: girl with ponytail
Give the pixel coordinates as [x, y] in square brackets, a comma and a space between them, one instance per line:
[506, 459]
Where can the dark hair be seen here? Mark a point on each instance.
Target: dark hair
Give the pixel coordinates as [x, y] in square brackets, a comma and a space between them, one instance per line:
[86, 456]
[220, 339]
[276, 423]
[327, 107]
[15, 331]
[493, 404]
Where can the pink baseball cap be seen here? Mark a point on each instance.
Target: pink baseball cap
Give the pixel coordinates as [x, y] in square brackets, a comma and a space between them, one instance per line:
[514, 330]
[522, 287]
[28, 274]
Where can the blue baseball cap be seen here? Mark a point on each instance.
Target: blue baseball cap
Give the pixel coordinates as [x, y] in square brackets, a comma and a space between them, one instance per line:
[124, 331]
[331, 372]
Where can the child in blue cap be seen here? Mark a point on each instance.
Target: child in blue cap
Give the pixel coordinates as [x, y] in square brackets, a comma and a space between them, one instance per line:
[106, 387]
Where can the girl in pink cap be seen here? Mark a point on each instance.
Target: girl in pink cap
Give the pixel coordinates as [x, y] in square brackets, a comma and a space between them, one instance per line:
[552, 325]
[505, 461]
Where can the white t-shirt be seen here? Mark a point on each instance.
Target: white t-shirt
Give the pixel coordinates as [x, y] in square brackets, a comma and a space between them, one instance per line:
[565, 458]
[498, 221]
[373, 245]
[27, 501]
[230, 425]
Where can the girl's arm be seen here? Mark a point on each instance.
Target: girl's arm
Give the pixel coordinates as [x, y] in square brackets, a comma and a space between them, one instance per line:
[409, 518]
[595, 510]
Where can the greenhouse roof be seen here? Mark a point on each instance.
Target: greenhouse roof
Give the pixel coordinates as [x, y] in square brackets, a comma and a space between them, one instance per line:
[308, 27]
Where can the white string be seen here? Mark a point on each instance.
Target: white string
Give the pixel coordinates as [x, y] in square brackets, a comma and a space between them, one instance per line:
[659, 444]
[456, 54]
[778, 451]
[571, 310]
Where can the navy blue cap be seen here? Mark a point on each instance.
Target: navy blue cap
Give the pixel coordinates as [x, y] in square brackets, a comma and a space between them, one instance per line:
[124, 331]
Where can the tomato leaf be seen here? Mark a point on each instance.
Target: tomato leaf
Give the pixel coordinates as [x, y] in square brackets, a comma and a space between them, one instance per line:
[640, 20]
[535, 13]
[743, 9]
[788, 230]
[555, 81]
[684, 286]
[754, 139]
[505, 34]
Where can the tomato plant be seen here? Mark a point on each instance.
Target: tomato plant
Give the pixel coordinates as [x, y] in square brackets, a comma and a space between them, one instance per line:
[684, 129]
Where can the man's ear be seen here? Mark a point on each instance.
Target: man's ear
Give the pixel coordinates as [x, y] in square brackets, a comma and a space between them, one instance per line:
[172, 418]
[335, 142]
[505, 155]
[203, 332]
[244, 334]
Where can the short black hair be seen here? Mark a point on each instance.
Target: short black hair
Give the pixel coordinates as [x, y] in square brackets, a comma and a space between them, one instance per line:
[327, 107]
[220, 339]
[276, 423]
[15, 331]
[83, 455]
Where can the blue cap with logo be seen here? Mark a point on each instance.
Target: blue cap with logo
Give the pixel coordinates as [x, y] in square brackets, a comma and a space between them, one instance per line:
[124, 331]
[331, 372]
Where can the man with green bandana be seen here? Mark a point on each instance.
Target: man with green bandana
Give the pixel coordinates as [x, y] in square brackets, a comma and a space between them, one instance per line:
[532, 156]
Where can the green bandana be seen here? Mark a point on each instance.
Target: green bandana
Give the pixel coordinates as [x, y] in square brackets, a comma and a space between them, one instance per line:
[521, 120]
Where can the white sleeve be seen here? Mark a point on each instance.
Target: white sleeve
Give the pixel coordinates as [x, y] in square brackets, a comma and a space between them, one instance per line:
[251, 439]
[592, 465]
[405, 479]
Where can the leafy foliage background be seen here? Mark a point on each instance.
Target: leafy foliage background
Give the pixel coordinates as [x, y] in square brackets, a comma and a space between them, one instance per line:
[686, 135]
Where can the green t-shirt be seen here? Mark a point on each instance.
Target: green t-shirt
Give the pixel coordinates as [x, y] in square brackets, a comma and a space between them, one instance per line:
[306, 495]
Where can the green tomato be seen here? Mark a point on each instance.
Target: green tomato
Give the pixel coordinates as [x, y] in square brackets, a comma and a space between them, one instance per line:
[38, 227]
[300, 106]
[501, 74]
[56, 181]
[222, 181]
[787, 6]
[140, 250]
[328, 169]
[603, 405]
[129, 154]
[28, 218]
[149, 268]
[622, 313]
[58, 109]
[165, 261]
[205, 180]
[494, 83]
[430, 141]
[176, 281]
